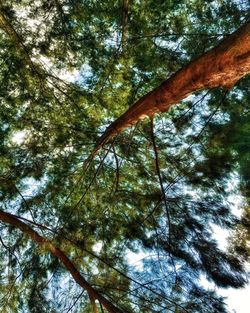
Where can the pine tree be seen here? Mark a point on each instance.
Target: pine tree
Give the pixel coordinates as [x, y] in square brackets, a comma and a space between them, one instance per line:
[69, 216]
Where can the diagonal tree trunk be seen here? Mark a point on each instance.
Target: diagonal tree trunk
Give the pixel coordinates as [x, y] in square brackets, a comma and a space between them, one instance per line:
[47, 245]
[221, 66]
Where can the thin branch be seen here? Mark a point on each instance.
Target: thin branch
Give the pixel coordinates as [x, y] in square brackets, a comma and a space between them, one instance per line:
[117, 170]
[25, 202]
[158, 171]
[75, 302]
[215, 35]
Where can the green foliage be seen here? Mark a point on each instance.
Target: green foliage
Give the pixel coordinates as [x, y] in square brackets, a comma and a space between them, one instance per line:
[49, 126]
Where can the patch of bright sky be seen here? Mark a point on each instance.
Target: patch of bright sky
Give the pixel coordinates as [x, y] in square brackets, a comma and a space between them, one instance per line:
[84, 74]
[19, 137]
[236, 203]
[136, 259]
[97, 247]
[68, 76]
[31, 186]
[114, 40]
[237, 300]
[166, 43]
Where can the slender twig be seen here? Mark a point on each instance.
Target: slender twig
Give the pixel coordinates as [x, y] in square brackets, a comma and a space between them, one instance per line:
[117, 170]
[158, 171]
[75, 302]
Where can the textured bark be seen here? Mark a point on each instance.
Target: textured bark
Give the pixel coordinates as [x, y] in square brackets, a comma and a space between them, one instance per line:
[221, 66]
[47, 245]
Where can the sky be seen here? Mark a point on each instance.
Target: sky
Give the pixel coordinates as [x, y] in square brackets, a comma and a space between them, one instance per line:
[238, 301]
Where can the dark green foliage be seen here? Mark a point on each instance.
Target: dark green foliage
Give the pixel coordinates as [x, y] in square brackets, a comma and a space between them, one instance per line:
[49, 126]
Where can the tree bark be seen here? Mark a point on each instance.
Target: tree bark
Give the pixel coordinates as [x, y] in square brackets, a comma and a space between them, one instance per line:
[221, 66]
[47, 245]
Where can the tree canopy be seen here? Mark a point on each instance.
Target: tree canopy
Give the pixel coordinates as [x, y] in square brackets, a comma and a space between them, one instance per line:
[78, 201]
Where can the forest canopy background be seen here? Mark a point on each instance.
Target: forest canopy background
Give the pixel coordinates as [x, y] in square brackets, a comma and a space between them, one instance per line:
[74, 202]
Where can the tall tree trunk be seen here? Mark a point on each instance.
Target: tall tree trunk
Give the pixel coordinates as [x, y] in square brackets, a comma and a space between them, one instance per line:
[221, 66]
[46, 244]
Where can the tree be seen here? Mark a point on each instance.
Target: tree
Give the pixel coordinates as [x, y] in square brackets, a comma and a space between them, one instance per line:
[156, 189]
[222, 66]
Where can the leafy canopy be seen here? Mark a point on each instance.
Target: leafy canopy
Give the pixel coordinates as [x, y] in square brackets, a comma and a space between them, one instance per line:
[69, 68]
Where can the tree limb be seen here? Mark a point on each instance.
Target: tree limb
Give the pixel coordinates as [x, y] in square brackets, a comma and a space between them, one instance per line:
[47, 245]
[221, 66]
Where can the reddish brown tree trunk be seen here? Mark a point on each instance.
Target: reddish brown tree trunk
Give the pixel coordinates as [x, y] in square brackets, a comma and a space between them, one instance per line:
[221, 66]
[46, 244]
